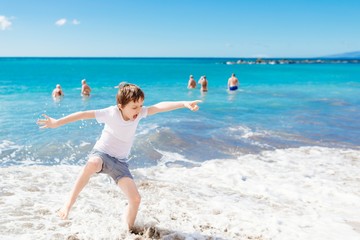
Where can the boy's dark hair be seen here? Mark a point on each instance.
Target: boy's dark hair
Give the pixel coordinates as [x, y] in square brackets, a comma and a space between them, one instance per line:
[128, 92]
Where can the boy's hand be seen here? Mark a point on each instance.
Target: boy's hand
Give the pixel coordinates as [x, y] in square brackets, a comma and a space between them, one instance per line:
[48, 122]
[192, 105]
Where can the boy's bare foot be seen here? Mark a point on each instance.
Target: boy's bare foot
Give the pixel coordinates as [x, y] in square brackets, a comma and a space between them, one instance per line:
[63, 213]
[125, 224]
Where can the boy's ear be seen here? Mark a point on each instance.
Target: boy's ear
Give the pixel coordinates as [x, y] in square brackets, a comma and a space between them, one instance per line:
[119, 106]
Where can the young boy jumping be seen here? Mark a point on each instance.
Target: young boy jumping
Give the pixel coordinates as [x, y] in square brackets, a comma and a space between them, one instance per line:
[111, 151]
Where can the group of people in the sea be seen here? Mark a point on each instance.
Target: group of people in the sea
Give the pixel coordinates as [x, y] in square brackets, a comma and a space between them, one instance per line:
[85, 90]
[233, 83]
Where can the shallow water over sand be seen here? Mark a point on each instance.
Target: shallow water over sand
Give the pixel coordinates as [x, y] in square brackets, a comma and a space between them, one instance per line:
[298, 193]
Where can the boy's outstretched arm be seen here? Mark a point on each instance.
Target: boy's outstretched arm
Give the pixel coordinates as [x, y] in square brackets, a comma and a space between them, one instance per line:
[169, 106]
[49, 122]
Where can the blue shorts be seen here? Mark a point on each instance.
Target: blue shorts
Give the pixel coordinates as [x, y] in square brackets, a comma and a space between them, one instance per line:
[233, 88]
[115, 168]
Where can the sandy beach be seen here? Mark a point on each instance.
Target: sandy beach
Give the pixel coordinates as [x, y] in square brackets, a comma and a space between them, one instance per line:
[299, 193]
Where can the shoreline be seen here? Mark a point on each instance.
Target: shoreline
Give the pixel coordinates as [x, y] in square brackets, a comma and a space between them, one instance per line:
[297, 193]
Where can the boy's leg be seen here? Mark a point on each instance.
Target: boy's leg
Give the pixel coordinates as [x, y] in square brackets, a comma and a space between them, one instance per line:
[129, 188]
[93, 165]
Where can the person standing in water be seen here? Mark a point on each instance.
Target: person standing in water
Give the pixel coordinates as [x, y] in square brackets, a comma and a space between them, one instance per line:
[203, 83]
[85, 89]
[191, 83]
[233, 83]
[57, 92]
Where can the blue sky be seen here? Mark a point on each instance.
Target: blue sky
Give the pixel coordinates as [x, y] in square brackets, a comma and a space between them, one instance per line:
[179, 28]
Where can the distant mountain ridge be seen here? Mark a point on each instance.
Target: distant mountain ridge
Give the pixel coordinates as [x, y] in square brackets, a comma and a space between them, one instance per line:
[347, 55]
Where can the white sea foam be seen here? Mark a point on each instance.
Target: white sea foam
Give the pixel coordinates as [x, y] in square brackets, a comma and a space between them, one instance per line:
[7, 145]
[8, 150]
[146, 129]
[242, 131]
[171, 157]
[248, 135]
[83, 144]
[299, 193]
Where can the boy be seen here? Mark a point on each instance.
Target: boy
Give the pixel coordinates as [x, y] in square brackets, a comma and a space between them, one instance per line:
[112, 149]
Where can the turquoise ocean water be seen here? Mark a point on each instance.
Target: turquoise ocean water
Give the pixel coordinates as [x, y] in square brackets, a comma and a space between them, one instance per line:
[277, 107]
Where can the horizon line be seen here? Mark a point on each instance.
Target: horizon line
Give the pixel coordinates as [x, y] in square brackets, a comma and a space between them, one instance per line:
[144, 57]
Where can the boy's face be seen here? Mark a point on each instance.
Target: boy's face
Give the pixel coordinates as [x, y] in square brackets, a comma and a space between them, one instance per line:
[131, 110]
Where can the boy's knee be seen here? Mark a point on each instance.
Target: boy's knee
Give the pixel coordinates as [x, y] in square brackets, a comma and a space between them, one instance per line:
[94, 165]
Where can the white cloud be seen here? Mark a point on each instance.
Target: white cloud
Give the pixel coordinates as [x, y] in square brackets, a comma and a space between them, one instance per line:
[61, 22]
[4, 23]
[76, 22]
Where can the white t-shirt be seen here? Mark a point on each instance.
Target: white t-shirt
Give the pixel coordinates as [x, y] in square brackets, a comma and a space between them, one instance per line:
[118, 135]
